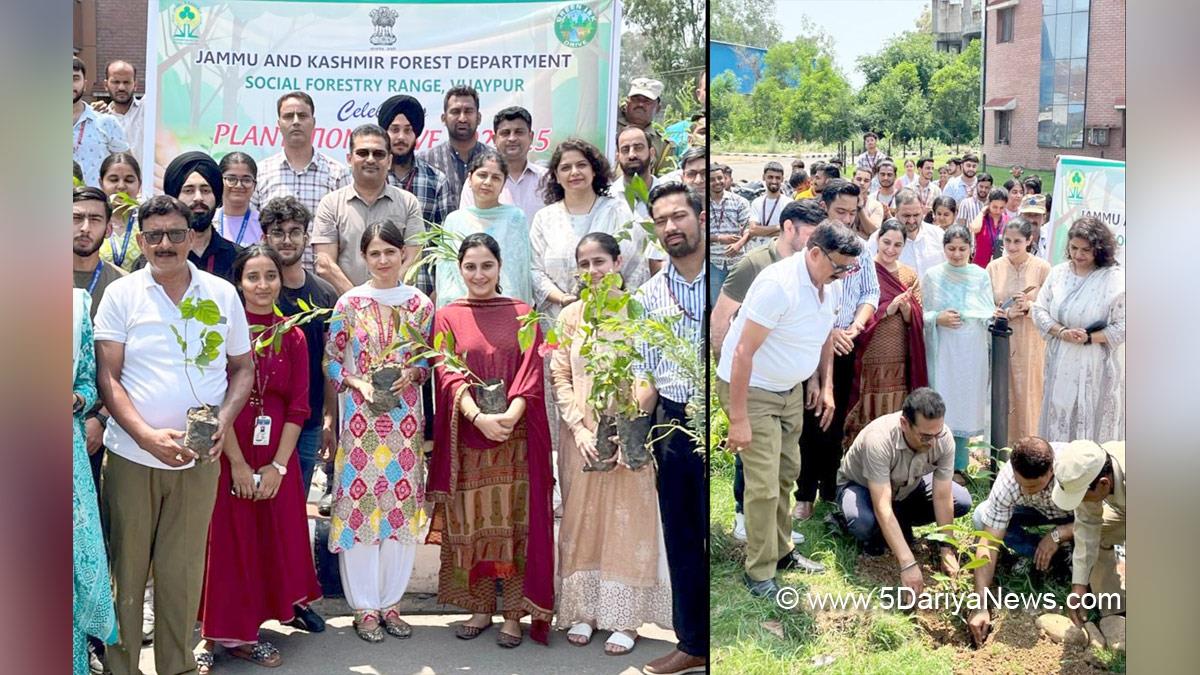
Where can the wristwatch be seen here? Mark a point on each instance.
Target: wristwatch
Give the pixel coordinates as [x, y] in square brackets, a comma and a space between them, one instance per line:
[279, 467]
[1055, 536]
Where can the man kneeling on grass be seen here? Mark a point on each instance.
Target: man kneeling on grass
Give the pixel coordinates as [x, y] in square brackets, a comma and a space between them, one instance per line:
[1020, 499]
[897, 474]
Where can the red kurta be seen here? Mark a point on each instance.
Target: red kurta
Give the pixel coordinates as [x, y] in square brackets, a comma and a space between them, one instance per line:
[486, 331]
[259, 560]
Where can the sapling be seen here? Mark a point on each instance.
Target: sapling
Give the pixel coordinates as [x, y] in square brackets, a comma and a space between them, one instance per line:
[202, 418]
[490, 395]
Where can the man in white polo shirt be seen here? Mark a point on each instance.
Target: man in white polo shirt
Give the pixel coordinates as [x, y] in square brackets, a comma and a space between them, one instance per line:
[777, 341]
[157, 499]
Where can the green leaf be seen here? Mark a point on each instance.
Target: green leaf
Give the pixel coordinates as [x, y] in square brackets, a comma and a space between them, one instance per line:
[208, 312]
[438, 340]
[551, 337]
[974, 564]
[187, 308]
[276, 310]
[180, 341]
[304, 306]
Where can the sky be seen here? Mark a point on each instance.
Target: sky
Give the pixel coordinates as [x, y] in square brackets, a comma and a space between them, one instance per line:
[857, 27]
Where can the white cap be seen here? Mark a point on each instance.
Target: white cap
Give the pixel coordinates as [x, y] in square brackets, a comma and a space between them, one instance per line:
[644, 86]
[1075, 467]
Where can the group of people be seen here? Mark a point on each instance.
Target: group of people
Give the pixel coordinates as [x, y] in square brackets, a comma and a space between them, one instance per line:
[854, 362]
[290, 297]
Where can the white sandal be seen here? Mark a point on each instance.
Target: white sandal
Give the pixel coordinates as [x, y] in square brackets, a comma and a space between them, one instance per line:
[619, 639]
[582, 629]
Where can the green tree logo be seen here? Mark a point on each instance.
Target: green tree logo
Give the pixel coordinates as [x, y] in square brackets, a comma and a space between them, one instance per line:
[186, 19]
[1075, 185]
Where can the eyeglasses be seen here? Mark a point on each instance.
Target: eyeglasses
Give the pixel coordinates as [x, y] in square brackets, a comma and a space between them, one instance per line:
[693, 174]
[81, 218]
[233, 181]
[282, 235]
[841, 269]
[365, 153]
[929, 438]
[155, 237]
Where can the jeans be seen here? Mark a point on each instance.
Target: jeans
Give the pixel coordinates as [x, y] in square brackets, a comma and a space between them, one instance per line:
[1016, 537]
[916, 509]
[716, 278]
[306, 450]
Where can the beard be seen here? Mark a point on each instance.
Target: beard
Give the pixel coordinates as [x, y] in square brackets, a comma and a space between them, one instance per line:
[405, 159]
[633, 168]
[77, 97]
[461, 136]
[84, 252]
[681, 248]
[202, 221]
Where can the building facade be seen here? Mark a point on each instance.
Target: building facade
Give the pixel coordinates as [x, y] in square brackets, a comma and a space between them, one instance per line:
[955, 23]
[106, 31]
[1054, 81]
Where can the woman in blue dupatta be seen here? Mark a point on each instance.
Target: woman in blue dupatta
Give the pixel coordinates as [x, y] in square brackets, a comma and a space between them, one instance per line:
[92, 613]
[503, 222]
[958, 304]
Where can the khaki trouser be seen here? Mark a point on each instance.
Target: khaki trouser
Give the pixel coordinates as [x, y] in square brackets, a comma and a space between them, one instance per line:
[159, 517]
[1104, 577]
[771, 465]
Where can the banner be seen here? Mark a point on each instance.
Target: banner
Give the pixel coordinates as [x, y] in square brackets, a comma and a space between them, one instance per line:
[218, 68]
[1086, 186]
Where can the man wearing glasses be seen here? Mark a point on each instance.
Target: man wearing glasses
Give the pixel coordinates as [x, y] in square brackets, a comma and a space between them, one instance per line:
[779, 338]
[897, 474]
[157, 498]
[344, 214]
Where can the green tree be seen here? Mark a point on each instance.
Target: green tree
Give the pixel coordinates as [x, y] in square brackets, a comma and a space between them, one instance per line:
[895, 106]
[672, 39]
[908, 47]
[954, 97]
[725, 103]
[749, 22]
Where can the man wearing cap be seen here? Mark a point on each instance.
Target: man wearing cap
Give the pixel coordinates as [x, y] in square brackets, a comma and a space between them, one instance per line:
[403, 118]
[1033, 209]
[1020, 499]
[639, 110]
[195, 179]
[1089, 479]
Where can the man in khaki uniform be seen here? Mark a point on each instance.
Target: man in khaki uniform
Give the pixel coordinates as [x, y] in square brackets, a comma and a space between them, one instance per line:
[639, 110]
[1090, 479]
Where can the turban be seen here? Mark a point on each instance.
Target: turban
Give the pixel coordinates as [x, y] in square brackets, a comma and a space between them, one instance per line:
[184, 165]
[403, 105]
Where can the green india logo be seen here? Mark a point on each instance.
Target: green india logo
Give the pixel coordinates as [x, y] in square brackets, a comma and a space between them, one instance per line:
[575, 25]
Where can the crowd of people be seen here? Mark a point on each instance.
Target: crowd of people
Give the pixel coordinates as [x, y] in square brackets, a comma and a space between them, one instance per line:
[852, 328]
[289, 297]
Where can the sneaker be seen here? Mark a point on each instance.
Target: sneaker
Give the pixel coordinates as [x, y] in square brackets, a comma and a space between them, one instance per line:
[767, 588]
[797, 538]
[794, 561]
[739, 527]
[95, 665]
[148, 615]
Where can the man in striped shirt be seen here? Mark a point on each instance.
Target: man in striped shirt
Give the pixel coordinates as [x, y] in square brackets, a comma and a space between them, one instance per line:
[663, 387]
[871, 157]
[299, 171]
[821, 440]
[972, 206]
[730, 216]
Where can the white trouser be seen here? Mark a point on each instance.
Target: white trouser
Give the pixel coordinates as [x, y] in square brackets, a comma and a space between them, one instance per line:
[375, 576]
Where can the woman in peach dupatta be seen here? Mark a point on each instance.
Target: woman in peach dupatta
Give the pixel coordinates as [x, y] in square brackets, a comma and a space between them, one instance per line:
[612, 558]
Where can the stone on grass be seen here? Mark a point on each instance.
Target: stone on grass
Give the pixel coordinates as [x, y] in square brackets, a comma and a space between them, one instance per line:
[1095, 635]
[1113, 628]
[1060, 629]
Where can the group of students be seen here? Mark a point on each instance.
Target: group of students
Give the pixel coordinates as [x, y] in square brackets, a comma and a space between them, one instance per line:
[854, 361]
[483, 489]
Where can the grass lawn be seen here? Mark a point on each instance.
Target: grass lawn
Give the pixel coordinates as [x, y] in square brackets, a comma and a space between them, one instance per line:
[752, 636]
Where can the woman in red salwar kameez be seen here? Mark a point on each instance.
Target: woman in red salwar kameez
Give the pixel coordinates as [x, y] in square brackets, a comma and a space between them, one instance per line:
[490, 477]
[259, 563]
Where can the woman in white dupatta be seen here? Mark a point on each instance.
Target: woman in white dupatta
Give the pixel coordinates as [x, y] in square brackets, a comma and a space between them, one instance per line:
[1081, 312]
[958, 304]
[93, 613]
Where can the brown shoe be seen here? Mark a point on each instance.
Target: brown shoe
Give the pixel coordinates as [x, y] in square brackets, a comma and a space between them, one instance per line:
[676, 663]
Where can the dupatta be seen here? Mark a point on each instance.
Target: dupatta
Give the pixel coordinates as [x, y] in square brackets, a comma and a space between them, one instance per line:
[889, 288]
[487, 331]
[967, 289]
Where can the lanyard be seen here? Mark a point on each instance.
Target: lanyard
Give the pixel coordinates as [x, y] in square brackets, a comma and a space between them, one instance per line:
[766, 221]
[119, 260]
[671, 292]
[242, 230]
[79, 138]
[95, 276]
[258, 390]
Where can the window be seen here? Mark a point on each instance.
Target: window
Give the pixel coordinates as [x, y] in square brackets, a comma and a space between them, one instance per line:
[1062, 88]
[1004, 27]
[1003, 127]
[1098, 136]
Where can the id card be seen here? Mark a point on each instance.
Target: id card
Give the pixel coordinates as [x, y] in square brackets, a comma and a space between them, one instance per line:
[262, 430]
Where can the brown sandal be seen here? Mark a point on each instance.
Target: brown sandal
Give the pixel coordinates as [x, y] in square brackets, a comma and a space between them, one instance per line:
[468, 632]
[509, 641]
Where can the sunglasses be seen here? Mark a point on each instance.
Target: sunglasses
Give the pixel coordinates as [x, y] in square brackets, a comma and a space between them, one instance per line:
[376, 154]
[155, 237]
[841, 269]
[233, 181]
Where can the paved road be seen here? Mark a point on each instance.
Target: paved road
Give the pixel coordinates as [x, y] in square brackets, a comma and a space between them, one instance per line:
[749, 168]
[434, 649]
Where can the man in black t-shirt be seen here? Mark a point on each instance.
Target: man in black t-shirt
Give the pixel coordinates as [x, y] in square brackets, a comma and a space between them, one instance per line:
[285, 222]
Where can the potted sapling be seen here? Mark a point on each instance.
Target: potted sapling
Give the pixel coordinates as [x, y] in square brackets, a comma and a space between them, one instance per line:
[491, 395]
[201, 418]
[610, 355]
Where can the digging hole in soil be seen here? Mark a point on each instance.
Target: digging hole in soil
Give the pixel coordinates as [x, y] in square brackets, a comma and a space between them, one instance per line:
[201, 425]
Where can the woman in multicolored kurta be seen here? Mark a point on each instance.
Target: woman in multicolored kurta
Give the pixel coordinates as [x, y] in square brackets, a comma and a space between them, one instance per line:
[93, 612]
[378, 474]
